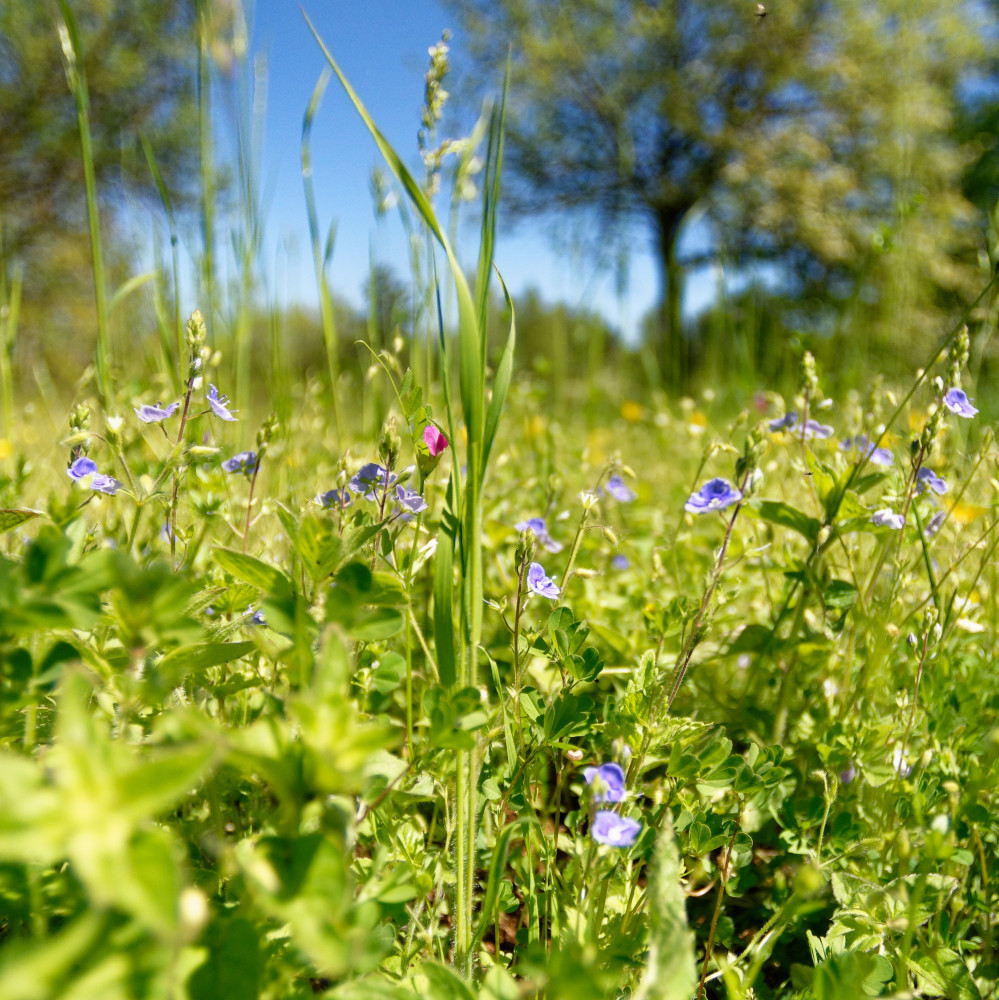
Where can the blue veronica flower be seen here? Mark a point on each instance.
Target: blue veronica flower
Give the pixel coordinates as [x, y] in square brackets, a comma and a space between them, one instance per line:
[887, 518]
[928, 479]
[154, 414]
[620, 561]
[334, 498]
[219, 404]
[614, 830]
[100, 483]
[813, 429]
[410, 500]
[845, 777]
[540, 584]
[81, 468]
[619, 490]
[244, 462]
[538, 528]
[713, 495]
[256, 617]
[935, 523]
[879, 456]
[607, 782]
[370, 478]
[956, 400]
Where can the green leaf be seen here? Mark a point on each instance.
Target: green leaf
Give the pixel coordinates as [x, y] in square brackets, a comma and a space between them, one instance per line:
[778, 512]
[235, 963]
[944, 973]
[497, 868]
[255, 572]
[670, 970]
[12, 518]
[178, 663]
[839, 594]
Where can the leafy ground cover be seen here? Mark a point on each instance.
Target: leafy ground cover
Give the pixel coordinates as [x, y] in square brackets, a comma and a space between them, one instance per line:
[478, 698]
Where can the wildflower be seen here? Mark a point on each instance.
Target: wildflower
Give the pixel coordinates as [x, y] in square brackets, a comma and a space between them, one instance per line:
[619, 491]
[713, 495]
[537, 527]
[935, 522]
[256, 617]
[812, 428]
[219, 404]
[435, 440]
[615, 831]
[956, 400]
[900, 765]
[540, 584]
[410, 500]
[334, 498]
[928, 479]
[84, 467]
[607, 782]
[81, 468]
[848, 775]
[244, 462]
[887, 518]
[154, 414]
[620, 561]
[371, 478]
[879, 456]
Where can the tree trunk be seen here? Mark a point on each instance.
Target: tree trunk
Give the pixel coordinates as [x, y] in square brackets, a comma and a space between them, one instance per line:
[671, 347]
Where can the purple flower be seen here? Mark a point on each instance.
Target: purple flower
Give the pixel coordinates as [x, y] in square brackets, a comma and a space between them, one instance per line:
[257, 617]
[935, 523]
[813, 429]
[713, 495]
[435, 440]
[540, 584]
[887, 518]
[335, 498]
[879, 456]
[620, 561]
[617, 488]
[154, 414]
[84, 467]
[370, 478]
[848, 775]
[928, 479]
[219, 404]
[956, 400]
[81, 468]
[537, 527]
[615, 831]
[244, 462]
[607, 782]
[785, 423]
[410, 500]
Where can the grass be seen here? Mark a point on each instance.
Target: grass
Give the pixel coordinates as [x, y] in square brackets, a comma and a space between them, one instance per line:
[260, 739]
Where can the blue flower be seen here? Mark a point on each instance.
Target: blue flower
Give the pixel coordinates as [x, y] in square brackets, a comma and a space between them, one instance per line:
[617, 488]
[256, 617]
[813, 429]
[607, 782]
[84, 467]
[928, 479]
[335, 498]
[848, 775]
[620, 561]
[879, 456]
[410, 500]
[154, 414]
[785, 423]
[956, 400]
[219, 404]
[244, 462]
[887, 518]
[935, 523]
[540, 584]
[713, 495]
[537, 527]
[81, 468]
[370, 478]
[615, 831]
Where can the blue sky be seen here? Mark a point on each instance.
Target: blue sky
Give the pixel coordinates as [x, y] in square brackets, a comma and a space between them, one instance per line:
[381, 45]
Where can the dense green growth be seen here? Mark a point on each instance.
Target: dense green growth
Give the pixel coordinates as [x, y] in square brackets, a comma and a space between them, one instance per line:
[450, 678]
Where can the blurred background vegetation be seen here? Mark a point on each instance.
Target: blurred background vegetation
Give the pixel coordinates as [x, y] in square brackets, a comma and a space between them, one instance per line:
[833, 161]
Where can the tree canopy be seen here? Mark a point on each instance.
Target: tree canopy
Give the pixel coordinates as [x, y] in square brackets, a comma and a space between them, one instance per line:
[816, 134]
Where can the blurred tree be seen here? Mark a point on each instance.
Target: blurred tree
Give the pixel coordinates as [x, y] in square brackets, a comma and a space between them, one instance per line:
[139, 64]
[806, 133]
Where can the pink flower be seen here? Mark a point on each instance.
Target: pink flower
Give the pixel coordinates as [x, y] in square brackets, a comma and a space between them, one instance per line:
[434, 440]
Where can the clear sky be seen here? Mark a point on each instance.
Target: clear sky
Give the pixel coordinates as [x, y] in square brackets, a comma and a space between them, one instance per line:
[381, 45]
